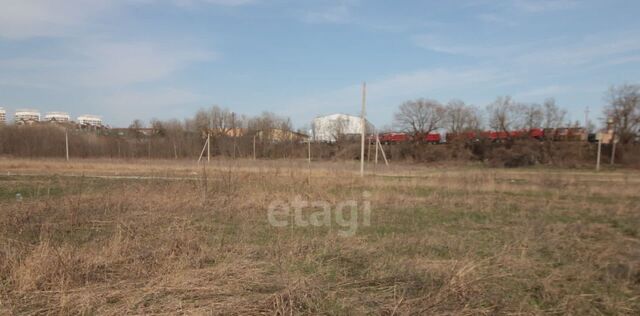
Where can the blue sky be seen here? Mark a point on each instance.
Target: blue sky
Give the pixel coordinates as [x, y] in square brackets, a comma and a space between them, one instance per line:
[126, 59]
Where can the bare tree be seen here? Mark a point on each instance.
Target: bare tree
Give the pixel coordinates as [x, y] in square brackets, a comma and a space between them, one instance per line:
[158, 127]
[267, 123]
[460, 117]
[135, 127]
[420, 116]
[338, 129]
[136, 124]
[219, 120]
[553, 115]
[222, 120]
[533, 115]
[201, 121]
[505, 114]
[624, 109]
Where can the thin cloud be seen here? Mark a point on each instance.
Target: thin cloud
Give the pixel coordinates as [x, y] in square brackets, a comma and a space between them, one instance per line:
[35, 18]
[122, 107]
[124, 63]
[429, 81]
[495, 18]
[435, 43]
[537, 6]
[46, 18]
[104, 64]
[335, 14]
[594, 49]
[542, 92]
[230, 3]
[624, 60]
[338, 12]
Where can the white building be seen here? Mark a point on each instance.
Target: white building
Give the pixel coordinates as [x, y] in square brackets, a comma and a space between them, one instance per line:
[90, 120]
[27, 116]
[57, 117]
[3, 116]
[330, 128]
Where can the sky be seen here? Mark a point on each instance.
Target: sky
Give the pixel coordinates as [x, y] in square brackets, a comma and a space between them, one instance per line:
[144, 59]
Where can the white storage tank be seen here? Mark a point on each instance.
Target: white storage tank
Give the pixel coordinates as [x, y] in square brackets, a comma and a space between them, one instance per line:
[330, 128]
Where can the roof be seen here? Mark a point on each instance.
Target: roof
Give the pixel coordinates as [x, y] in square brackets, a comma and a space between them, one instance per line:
[57, 114]
[89, 116]
[336, 115]
[21, 111]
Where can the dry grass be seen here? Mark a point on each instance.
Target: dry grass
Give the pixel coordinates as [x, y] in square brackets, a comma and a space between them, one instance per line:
[441, 241]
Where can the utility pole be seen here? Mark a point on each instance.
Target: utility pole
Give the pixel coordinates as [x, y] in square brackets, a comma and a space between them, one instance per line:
[375, 162]
[364, 127]
[233, 127]
[175, 151]
[613, 147]
[368, 149]
[377, 141]
[66, 142]
[599, 149]
[586, 119]
[309, 151]
[208, 147]
[209, 136]
[254, 147]
[206, 144]
[613, 150]
[384, 156]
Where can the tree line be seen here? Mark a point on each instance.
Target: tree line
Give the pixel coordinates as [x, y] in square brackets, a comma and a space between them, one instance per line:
[238, 135]
[232, 135]
[423, 116]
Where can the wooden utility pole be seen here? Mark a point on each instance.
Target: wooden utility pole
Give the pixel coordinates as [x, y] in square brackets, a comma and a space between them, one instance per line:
[364, 127]
[209, 136]
[368, 149]
[586, 119]
[599, 149]
[384, 156]
[613, 148]
[233, 127]
[613, 142]
[208, 147]
[377, 141]
[66, 142]
[309, 151]
[206, 144]
[175, 151]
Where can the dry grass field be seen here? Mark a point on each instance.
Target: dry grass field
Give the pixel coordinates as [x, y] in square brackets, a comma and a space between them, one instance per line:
[109, 237]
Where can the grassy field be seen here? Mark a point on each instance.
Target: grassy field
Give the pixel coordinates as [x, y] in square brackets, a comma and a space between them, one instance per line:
[105, 237]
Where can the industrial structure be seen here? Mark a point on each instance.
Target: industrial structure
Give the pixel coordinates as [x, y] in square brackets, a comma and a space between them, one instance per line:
[3, 116]
[88, 120]
[334, 127]
[26, 116]
[57, 117]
